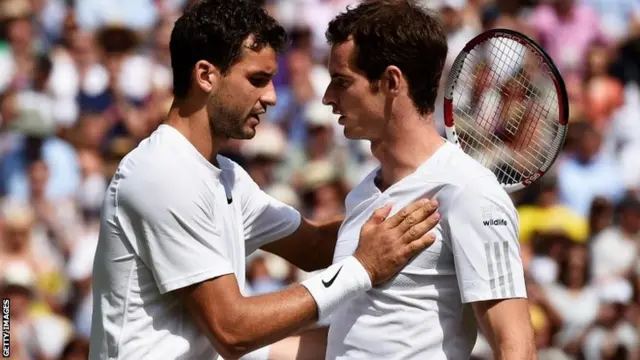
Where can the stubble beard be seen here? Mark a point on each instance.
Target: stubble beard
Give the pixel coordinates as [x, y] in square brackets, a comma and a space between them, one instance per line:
[227, 122]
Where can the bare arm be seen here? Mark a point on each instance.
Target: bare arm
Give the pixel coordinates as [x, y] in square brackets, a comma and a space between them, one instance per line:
[507, 326]
[237, 325]
[319, 243]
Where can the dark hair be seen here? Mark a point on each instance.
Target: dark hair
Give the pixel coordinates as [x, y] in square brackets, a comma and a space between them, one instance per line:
[214, 30]
[114, 39]
[400, 33]
[563, 268]
[44, 64]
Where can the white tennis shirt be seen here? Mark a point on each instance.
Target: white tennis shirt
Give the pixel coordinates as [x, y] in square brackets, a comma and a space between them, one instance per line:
[171, 219]
[424, 312]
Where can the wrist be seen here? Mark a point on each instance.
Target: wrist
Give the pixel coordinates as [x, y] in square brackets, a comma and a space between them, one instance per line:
[366, 267]
[340, 282]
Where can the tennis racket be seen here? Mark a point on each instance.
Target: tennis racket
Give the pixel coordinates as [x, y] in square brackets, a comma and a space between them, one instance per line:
[505, 105]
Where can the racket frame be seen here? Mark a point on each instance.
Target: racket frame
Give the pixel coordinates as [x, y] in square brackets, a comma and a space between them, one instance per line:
[546, 64]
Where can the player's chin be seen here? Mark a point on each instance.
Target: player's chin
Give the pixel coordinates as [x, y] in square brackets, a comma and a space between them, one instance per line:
[353, 133]
[249, 128]
[247, 133]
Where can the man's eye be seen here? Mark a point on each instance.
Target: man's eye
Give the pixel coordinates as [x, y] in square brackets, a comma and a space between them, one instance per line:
[341, 83]
[259, 81]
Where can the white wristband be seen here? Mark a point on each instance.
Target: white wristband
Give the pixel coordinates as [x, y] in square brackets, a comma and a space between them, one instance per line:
[258, 354]
[338, 283]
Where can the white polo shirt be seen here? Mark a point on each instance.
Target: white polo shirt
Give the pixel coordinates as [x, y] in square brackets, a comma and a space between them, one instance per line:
[171, 219]
[424, 312]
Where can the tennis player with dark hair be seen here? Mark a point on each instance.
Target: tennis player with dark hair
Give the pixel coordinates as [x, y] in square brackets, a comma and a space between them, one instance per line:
[178, 220]
[385, 63]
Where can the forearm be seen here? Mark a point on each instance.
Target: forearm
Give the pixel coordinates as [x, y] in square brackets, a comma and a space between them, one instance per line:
[311, 247]
[262, 320]
[237, 325]
[325, 243]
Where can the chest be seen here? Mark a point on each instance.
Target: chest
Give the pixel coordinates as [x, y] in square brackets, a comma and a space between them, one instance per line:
[226, 212]
[437, 258]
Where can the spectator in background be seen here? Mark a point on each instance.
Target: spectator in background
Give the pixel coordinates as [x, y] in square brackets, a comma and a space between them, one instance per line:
[324, 141]
[8, 114]
[139, 15]
[76, 349]
[548, 216]
[80, 263]
[603, 94]
[305, 80]
[18, 285]
[263, 154]
[619, 19]
[458, 28]
[260, 280]
[543, 331]
[586, 172]
[574, 299]
[601, 215]
[59, 156]
[36, 98]
[612, 337]
[324, 190]
[82, 81]
[615, 251]
[122, 92]
[17, 245]
[17, 61]
[566, 29]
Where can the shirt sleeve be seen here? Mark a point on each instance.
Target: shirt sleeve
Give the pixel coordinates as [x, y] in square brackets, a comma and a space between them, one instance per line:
[483, 227]
[265, 219]
[172, 220]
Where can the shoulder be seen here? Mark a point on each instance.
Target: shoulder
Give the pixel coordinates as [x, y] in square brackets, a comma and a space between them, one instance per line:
[460, 181]
[461, 168]
[486, 195]
[153, 175]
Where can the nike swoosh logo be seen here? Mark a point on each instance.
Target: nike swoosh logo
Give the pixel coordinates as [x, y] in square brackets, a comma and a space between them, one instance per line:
[328, 283]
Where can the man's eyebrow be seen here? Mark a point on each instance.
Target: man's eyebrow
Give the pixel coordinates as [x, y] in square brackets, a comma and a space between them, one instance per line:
[262, 73]
[339, 75]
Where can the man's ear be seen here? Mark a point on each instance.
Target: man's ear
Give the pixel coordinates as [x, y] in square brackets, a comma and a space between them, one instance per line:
[393, 82]
[206, 75]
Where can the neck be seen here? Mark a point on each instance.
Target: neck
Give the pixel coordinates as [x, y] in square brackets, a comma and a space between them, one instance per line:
[192, 122]
[404, 147]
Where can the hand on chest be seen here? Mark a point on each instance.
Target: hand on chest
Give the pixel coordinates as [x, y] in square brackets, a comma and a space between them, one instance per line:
[437, 256]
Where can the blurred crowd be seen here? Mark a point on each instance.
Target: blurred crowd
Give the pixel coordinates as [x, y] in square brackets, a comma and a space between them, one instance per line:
[81, 82]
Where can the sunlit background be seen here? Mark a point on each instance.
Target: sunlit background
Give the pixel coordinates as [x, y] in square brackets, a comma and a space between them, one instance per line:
[81, 82]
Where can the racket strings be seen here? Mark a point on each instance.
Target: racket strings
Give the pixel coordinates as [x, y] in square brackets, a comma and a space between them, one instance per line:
[506, 109]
